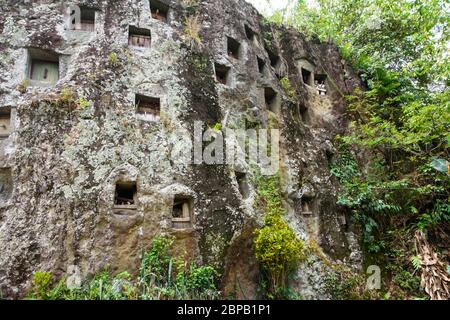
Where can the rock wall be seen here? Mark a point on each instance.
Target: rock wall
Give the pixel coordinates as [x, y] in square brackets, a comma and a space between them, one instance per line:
[73, 142]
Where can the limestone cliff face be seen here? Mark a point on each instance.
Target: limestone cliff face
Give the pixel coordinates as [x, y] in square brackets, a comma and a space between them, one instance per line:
[94, 112]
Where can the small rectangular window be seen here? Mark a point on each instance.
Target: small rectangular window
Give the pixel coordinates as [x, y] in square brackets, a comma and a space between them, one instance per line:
[274, 59]
[87, 19]
[251, 35]
[125, 195]
[5, 123]
[261, 65]
[159, 10]
[307, 77]
[271, 99]
[138, 37]
[44, 66]
[222, 74]
[233, 48]
[148, 108]
[182, 213]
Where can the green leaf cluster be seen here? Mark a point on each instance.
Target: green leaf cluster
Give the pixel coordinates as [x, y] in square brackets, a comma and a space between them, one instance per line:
[277, 247]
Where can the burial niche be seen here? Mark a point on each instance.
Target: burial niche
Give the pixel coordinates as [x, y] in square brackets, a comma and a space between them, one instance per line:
[222, 74]
[307, 77]
[182, 212]
[261, 65]
[271, 100]
[159, 10]
[148, 108]
[139, 37]
[125, 197]
[87, 19]
[274, 59]
[251, 35]
[5, 123]
[43, 67]
[233, 48]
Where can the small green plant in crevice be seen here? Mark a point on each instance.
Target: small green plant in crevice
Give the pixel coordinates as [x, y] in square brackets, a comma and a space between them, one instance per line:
[83, 103]
[66, 95]
[288, 88]
[277, 248]
[192, 27]
[113, 59]
[23, 86]
[42, 282]
[216, 127]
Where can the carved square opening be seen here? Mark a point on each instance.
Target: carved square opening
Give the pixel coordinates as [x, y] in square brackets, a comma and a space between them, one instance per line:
[261, 65]
[148, 108]
[182, 212]
[5, 123]
[87, 19]
[159, 10]
[43, 66]
[223, 74]
[271, 100]
[307, 77]
[233, 48]
[125, 196]
[139, 37]
[251, 35]
[274, 59]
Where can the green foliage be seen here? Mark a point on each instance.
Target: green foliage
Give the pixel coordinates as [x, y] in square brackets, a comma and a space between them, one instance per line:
[42, 282]
[216, 127]
[407, 281]
[288, 88]
[192, 27]
[342, 287]
[161, 276]
[157, 262]
[415, 260]
[113, 59]
[439, 215]
[198, 281]
[66, 95]
[83, 103]
[23, 86]
[277, 247]
[347, 285]
[400, 124]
